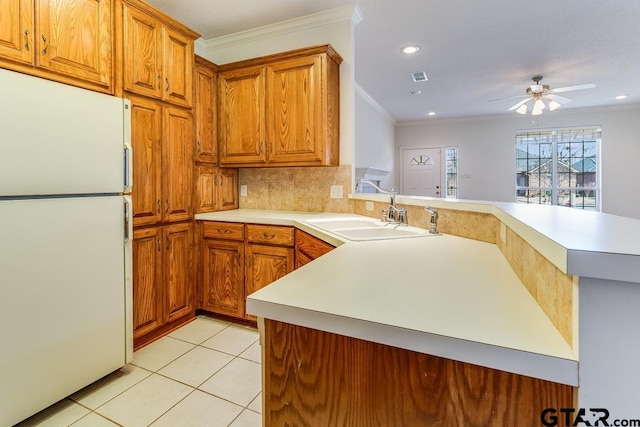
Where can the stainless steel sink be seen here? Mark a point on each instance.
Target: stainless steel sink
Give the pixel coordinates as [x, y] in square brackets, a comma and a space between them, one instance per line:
[363, 228]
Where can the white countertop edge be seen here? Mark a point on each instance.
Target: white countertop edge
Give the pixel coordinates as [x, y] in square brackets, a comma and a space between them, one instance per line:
[558, 370]
[606, 266]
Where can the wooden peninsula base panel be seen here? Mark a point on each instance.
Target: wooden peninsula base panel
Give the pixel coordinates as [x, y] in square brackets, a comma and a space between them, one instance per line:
[315, 378]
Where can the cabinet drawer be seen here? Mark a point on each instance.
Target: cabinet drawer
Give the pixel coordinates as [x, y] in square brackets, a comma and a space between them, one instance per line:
[270, 234]
[223, 230]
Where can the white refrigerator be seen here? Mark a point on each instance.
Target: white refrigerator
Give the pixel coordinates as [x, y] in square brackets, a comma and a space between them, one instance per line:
[65, 241]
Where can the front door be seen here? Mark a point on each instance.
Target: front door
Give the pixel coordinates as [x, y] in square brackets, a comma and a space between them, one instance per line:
[420, 172]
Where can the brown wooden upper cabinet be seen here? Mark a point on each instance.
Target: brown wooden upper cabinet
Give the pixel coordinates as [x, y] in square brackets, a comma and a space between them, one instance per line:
[205, 111]
[216, 188]
[158, 58]
[68, 41]
[280, 110]
[162, 137]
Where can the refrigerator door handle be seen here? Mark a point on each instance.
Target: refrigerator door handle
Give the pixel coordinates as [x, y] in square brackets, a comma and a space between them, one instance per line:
[128, 153]
[127, 168]
[127, 218]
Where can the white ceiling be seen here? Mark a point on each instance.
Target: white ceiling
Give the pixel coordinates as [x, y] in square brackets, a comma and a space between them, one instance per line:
[472, 50]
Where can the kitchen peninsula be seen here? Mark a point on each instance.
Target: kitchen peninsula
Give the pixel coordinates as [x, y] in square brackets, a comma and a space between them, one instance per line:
[450, 328]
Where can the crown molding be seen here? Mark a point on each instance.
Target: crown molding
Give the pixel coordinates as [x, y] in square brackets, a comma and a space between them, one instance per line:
[363, 93]
[340, 14]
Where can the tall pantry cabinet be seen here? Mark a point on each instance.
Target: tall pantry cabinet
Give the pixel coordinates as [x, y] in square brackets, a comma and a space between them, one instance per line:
[157, 60]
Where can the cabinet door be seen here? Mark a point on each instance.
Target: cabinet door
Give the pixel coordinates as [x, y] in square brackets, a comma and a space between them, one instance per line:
[146, 141]
[266, 264]
[177, 164]
[178, 270]
[206, 183]
[142, 64]
[309, 248]
[295, 106]
[177, 65]
[223, 277]
[216, 188]
[75, 38]
[227, 189]
[16, 30]
[242, 116]
[147, 281]
[205, 115]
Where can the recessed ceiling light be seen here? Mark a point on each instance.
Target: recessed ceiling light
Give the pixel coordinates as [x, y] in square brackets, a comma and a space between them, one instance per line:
[415, 92]
[431, 113]
[410, 49]
[622, 96]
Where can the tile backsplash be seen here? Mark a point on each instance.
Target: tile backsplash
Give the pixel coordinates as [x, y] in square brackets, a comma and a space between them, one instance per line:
[304, 189]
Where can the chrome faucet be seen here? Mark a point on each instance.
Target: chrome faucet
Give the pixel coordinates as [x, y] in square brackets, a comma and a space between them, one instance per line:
[393, 214]
[433, 223]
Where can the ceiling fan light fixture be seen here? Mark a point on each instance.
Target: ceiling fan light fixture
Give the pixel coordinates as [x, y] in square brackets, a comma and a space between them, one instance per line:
[553, 105]
[538, 107]
[522, 109]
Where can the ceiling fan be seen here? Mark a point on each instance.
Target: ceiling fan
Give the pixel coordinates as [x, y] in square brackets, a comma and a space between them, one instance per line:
[543, 96]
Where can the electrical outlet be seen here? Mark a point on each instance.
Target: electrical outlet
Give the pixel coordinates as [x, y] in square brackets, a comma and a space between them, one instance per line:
[368, 205]
[243, 190]
[336, 191]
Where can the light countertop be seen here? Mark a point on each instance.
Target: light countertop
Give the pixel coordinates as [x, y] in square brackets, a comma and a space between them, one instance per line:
[578, 242]
[442, 295]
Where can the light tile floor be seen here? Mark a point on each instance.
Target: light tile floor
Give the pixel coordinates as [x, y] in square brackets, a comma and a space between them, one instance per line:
[206, 373]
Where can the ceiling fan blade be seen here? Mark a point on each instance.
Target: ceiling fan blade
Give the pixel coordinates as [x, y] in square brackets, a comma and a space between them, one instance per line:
[559, 99]
[575, 87]
[524, 101]
[509, 97]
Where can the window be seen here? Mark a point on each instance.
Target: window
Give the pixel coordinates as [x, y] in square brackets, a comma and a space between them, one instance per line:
[559, 167]
[451, 170]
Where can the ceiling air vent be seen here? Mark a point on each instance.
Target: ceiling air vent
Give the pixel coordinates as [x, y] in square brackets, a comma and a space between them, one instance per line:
[420, 76]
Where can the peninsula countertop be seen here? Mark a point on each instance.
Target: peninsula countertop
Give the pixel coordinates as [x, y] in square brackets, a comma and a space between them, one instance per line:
[443, 295]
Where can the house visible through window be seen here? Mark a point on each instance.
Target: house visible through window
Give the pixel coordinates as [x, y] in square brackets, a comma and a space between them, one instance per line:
[559, 167]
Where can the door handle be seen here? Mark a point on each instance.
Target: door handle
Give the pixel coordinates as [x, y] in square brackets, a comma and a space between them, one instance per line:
[126, 220]
[44, 50]
[26, 40]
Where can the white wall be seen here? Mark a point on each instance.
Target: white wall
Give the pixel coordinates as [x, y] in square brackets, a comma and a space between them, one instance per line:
[487, 151]
[374, 138]
[333, 27]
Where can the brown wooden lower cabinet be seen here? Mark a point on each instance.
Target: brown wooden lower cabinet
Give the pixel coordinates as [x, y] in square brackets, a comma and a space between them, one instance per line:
[163, 279]
[309, 248]
[315, 378]
[266, 264]
[238, 259]
[223, 277]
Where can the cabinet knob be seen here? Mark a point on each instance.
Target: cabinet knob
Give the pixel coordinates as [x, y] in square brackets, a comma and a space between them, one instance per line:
[166, 79]
[26, 40]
